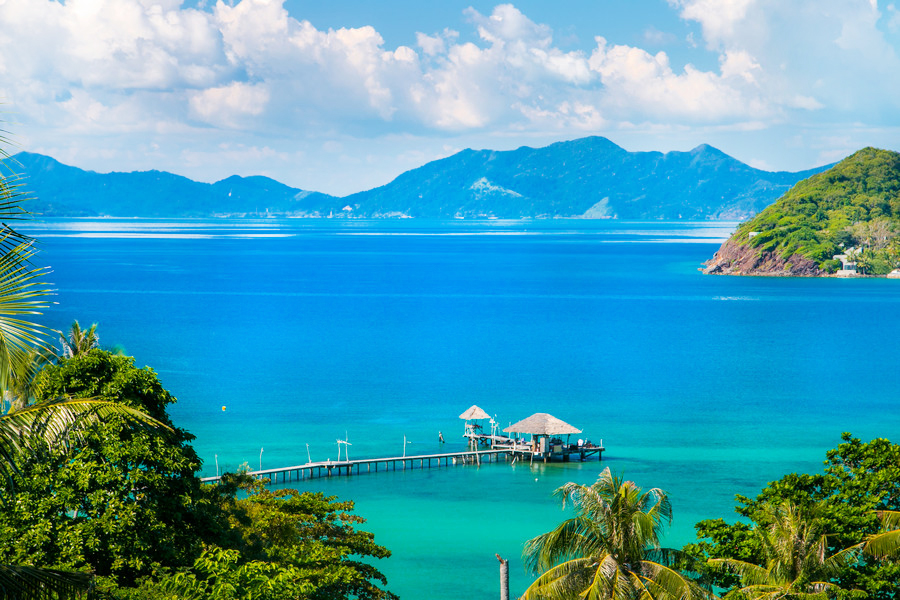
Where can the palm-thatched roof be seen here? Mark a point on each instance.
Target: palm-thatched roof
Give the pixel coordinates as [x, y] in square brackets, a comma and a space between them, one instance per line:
[541, 424]
[474, 413]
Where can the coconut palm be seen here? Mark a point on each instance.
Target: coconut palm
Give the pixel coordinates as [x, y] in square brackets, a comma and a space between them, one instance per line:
[610, 549]
[79, 341]
[797, 565]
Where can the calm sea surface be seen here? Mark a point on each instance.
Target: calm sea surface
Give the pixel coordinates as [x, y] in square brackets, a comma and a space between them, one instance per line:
[309, 331]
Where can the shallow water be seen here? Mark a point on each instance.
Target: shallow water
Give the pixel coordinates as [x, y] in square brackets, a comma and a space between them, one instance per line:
[309, 331]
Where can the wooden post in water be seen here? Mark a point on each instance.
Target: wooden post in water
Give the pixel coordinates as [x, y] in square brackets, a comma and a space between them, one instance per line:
[504, 578]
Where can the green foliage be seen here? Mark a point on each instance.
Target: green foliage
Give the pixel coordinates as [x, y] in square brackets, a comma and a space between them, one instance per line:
[856, 203]
[116, 499]
[830, 266]
[30, 583]
[292, 546]
[125, 503]
[859, 479]
[796, 563]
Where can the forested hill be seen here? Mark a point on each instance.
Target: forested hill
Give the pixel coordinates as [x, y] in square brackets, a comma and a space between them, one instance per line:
[589, 177]
[853, 208]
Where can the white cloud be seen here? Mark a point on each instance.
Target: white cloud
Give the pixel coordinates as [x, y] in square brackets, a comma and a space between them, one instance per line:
[229, 104]
[719, 18]
[168, 75]
[251, 65]
[828, 54]
[638, 81]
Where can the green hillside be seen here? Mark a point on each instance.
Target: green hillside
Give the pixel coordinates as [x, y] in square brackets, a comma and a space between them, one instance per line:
[855, 204]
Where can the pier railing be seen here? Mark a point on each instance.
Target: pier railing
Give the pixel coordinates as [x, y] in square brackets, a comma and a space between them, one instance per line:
[345, 468]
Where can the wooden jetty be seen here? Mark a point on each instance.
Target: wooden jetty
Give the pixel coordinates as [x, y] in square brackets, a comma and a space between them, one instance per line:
[372, 465]
[545, 445]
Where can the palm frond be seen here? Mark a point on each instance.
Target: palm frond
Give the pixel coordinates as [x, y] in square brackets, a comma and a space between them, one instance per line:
[24, 387]
[890, 519]
[667, 583]
[839, 561]
[79, 341]
[565, 541]
[883, 545]
[615, 528]
[47, 423]
[22, 293]
[566, 580]
[749, 573]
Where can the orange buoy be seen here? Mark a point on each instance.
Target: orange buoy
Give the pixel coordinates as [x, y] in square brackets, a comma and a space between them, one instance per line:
[223, 408]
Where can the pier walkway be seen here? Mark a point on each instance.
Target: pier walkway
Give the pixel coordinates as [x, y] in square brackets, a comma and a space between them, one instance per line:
[371, 465]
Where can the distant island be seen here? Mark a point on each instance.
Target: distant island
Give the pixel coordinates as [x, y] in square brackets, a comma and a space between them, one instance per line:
[844, 221]
[587, 178]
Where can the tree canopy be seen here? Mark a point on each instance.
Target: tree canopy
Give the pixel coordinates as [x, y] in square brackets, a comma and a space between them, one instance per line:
[127, 504]
[859, 481]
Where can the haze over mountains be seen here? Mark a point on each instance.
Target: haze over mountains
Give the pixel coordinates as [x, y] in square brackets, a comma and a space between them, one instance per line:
[589, 177]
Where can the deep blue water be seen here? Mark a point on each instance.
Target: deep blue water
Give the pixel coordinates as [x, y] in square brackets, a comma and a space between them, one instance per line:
[308, 331]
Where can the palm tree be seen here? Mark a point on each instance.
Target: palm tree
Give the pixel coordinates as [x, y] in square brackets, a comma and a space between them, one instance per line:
[797, 564]
[79, 341]
[610, 549]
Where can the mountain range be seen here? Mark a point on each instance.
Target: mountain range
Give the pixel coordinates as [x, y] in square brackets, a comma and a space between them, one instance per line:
[588, 177]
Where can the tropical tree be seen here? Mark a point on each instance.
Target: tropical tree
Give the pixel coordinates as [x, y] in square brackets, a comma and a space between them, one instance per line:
[610, 549]
[79, 341]
[796, 563]
[23, 347]
[860, 481]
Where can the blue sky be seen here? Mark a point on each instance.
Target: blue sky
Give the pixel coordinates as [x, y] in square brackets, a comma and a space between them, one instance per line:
[344, 95]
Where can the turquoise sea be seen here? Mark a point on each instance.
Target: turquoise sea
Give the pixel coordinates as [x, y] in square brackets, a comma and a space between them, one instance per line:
[309, 331]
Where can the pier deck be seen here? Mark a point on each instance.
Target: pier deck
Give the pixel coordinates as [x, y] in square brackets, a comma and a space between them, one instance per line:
[371, 465]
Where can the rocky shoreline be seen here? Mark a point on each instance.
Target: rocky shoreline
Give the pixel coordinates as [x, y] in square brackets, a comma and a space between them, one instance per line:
[733, 258]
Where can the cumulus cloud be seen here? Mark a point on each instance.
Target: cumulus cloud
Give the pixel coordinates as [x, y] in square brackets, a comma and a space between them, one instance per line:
[250, 64]
[639, 81]
[830, 54]
[228, 105]
[719, 18]
[197, 75]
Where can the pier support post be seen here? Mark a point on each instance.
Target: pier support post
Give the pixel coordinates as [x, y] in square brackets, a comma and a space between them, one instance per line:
[504, 578]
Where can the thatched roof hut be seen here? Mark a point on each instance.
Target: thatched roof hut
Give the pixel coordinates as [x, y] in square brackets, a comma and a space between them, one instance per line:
[474, 413]
[542, 424]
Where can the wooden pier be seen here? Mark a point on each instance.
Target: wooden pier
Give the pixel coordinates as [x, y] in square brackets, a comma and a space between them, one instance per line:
[372, 465]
